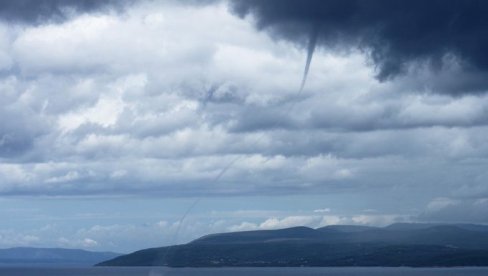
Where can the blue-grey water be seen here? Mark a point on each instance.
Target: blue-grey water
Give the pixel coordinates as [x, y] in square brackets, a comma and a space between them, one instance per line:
[162, 271]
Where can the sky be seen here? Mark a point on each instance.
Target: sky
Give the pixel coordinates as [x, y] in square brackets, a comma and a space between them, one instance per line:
[142, 123]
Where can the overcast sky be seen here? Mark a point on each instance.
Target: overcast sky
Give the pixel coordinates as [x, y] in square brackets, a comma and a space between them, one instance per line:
[118, 116]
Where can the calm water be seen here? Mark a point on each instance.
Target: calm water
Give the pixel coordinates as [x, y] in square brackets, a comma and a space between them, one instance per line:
[102, 271]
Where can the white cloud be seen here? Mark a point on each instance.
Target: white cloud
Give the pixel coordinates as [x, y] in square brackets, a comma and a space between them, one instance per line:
[461, 210]
[333, 220]
[244, 226]
[276, 223]
[105, 113]
[70, 176]
[324, 210]
[376, 220]
[315, 221]
[89, 243]
[11, 238]
[438, 204]
[85, 243]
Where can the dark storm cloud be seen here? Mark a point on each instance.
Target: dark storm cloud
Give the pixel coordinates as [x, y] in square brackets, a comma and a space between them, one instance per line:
[395, 33]
[38, 11]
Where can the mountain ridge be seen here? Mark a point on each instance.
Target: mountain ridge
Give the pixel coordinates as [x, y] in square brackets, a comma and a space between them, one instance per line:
[339, 245]
[39, 256]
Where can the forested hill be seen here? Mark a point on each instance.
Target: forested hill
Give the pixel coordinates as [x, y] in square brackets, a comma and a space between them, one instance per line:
[338, 245]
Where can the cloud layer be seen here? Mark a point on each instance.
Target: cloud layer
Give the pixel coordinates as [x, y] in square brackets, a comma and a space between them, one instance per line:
[49, 11]
[146, 103]
[398, 36]
[97, 111]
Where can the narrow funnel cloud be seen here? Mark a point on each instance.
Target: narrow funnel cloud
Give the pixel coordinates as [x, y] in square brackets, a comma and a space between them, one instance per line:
[310, 49]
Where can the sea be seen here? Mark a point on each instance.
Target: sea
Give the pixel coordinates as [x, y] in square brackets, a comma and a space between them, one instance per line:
[164, 271]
